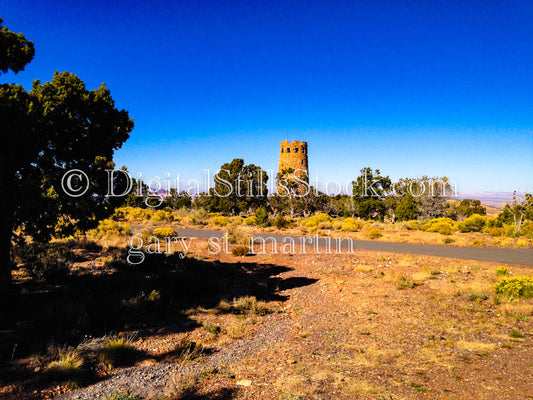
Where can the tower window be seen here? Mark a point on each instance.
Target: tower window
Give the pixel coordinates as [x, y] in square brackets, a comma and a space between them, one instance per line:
[296, 150]
[288, 150]
[303, 150]
[282, 149]
[302, 162]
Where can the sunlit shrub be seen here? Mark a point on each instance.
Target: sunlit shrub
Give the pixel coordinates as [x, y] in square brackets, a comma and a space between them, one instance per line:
[474, 223]
[315, 220]
[281, 222]
[108, 227]
[162, 233]
[351, 225]
[162, 215]
[249, 221]
[220, 220]
[374, 233]
[502, 271]
[444, 226]
[520, 286]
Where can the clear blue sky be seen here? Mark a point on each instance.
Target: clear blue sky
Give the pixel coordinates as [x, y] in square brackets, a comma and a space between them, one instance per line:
[410, 87]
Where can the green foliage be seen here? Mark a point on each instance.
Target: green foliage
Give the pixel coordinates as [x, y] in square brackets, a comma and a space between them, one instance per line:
[407, 208]
[315, 220]
[249, 220]
[261, 217]
[162, 215]
[162, 233]
[405, 283]
[108, 227]
[469, 207]
[413, 225]
[199, 217]
[239, 251]
[516, 287]
[281, 222]
[117, 352]
[15, 50]
[374, 233]
[220, 220]
[444, 226]
[474, 223]
[478, 296]
[502, 271]
[449, 240]
[238, 187]
[515, 333]
[249, 303]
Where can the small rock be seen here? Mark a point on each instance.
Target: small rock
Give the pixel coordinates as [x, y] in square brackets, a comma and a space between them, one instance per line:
[244, 382]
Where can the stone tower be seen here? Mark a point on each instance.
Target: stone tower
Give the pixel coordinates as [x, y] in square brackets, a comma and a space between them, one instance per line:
[293, 154]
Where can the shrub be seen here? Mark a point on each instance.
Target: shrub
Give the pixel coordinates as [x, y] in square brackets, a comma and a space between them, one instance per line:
[162, 233]
[495, 231]
[249, 221]
[67, 363]
[117, 352]
[477, 296]
[162, 215]
[404, 283]
[235, 235]
[261, 217]
[414, 225]
[199, 217]
[140, 214]
[351, 225]
[239, 251]
[502, 271]
[515, 333]
[444, 226]
[108, 227]
[449, 240]
[249, 303]
[325, 225]
[281, 222]
[374, 233]
[315, 220]
[527, 229]
[520, 286]
[220, 220]
[474, 223]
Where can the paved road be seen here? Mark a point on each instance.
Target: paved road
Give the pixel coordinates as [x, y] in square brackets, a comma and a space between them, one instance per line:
[507, 256]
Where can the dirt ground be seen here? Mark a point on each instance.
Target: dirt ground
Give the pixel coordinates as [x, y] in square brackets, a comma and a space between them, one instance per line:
[350, 326]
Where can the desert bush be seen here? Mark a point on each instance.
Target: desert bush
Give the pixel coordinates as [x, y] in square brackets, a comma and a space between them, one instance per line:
[405, 283]
[325, 225]
[239, 251]
[237, 220]
[162, 233]
[444, 226]
[351, 225]
[414, 225]
[515, 333]
[474, 223]
[220, 220]
[108, 227]
[235, 235]
[516, 287]
[477, 296]
[199, 217]
[527, 229]
[249, 303]
[261, 217]
[67, 363]
[117, 352]
[495, 231]
[249, 221]
[449, 240]
[502, 271]
[281, 222]
[315, 220]
[162, 215]
[374, 233]
[139, 214]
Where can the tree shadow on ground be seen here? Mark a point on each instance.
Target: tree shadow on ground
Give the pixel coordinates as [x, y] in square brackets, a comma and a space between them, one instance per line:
[148, 298]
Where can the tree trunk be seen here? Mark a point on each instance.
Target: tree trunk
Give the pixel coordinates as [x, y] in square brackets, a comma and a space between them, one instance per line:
[6, 232]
